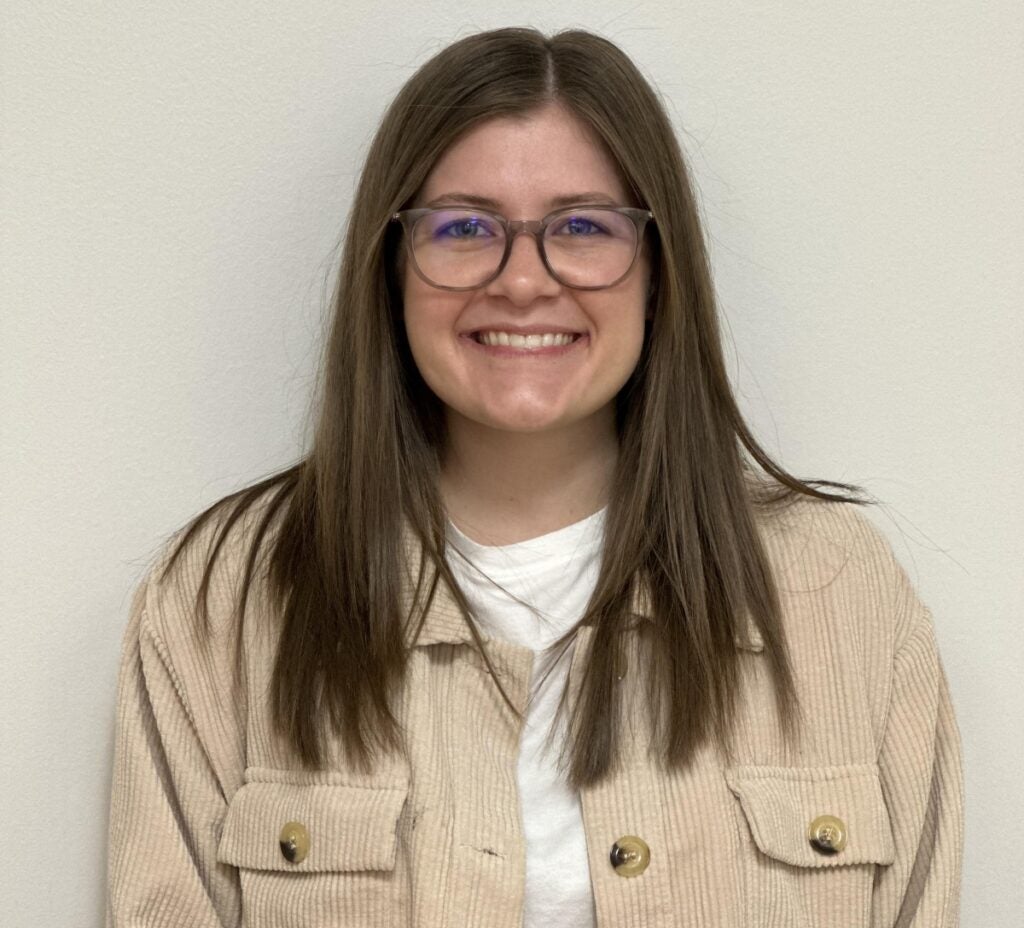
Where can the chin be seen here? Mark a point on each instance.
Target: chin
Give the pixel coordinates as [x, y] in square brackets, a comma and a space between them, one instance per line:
[523, 423]
[521, 427]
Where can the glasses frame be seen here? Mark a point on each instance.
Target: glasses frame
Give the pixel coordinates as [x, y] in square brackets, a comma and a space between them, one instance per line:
[536, 227]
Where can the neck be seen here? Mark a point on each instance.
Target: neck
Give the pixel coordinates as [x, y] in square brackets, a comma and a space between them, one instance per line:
[504, 487]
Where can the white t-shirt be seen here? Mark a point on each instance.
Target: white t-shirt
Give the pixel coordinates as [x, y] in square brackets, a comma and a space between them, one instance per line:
[554, 575]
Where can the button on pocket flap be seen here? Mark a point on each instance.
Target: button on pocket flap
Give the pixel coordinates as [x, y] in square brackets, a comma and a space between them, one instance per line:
[311, 828]
[815, 816]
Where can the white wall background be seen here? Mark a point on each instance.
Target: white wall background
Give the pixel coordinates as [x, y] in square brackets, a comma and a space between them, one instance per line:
[174, 178]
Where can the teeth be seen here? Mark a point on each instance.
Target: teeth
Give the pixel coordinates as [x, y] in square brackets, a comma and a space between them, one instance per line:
[547, 340]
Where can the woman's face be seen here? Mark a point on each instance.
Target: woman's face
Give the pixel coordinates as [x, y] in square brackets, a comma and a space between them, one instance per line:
[524, 166]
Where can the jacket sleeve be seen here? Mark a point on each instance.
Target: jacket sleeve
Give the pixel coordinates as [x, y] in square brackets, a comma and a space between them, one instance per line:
[167, 799]
[920, 765]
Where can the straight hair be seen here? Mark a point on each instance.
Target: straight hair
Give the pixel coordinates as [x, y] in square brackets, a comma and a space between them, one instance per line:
[690, 480]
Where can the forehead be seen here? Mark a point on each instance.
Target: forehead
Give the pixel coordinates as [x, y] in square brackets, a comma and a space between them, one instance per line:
[524, 162]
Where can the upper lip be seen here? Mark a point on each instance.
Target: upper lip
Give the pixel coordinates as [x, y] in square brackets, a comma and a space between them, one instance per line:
[525, 329]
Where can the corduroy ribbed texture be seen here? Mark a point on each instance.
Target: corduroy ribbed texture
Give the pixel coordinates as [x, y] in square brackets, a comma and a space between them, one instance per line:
[203, 785]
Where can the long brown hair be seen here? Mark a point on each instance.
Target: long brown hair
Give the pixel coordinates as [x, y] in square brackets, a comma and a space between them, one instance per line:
[690, 478]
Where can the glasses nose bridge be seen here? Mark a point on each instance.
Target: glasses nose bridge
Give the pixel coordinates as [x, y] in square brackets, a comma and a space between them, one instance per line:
[533, 227]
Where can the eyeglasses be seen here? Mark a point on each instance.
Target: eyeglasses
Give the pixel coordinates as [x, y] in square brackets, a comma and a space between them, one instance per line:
[583, 247]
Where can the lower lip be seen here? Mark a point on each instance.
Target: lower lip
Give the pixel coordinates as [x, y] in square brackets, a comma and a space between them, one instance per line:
[508, 351]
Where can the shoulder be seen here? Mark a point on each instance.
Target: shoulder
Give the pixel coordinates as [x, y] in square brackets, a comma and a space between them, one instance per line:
[192, 593]
[832, 551]
[815, 542]
[187, 654]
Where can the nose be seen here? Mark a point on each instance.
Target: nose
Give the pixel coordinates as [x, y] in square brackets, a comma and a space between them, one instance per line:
[524, 278]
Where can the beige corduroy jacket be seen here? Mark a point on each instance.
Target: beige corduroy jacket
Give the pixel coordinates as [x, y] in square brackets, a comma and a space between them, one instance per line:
[203, 787]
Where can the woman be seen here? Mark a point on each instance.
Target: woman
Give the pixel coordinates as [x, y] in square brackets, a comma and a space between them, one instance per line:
[537, 634]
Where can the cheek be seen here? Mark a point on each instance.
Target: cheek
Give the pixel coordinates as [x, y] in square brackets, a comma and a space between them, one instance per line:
[635, 310]
[417, 305]
[406, 284]
[430, 317]
[415, 316]
[634, 349]
[634, 332]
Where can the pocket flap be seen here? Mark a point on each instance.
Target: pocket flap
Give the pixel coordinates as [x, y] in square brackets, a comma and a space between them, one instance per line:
[780, 803]
[348, 827]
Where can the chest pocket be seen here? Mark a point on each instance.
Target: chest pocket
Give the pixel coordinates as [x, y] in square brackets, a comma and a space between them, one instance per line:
[811, 839]
[311, 854]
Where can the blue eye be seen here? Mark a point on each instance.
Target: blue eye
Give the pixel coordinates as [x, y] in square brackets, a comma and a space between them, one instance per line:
[463, 228]
[577, 226]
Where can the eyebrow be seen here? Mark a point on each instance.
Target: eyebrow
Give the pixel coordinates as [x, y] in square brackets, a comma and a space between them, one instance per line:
[471, 199]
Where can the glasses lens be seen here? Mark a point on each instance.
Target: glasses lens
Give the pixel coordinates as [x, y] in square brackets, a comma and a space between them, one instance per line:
[457, 247]
[590, 247]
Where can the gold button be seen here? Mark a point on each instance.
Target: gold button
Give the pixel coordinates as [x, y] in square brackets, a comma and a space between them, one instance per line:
[294, 842]
[827, 834]
[630, 855]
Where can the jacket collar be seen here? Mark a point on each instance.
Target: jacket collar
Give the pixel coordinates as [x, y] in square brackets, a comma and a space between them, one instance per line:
[444, 623]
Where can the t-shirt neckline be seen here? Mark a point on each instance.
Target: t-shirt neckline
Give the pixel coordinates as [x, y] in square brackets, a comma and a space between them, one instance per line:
[563, 543]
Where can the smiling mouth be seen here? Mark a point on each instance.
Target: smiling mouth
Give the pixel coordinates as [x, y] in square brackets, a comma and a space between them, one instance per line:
[512, 340]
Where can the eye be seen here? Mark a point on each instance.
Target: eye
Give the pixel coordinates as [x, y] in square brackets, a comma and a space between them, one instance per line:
[576, 226]
[464, 227]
